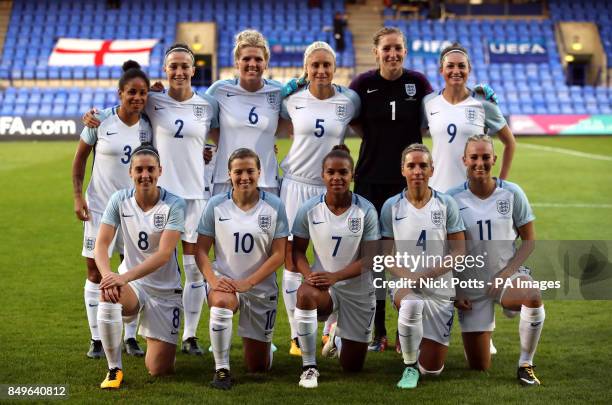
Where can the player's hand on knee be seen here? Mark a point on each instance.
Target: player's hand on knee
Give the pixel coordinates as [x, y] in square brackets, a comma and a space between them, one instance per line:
[241, 285]
[111, 294]
[110, 280]
[223, 284]
[323, 280]
[80, 208]
[157, 87]
[89, 118]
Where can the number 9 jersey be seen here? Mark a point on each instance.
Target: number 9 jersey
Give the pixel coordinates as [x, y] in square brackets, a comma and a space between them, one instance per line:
[450, 125]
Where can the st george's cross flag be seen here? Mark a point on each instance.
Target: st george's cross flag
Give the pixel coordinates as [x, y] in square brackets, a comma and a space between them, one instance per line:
[98, 52]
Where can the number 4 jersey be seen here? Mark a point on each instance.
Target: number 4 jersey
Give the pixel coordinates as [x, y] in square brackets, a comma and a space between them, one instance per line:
[243, 239]
[450, 125]
[142, 232]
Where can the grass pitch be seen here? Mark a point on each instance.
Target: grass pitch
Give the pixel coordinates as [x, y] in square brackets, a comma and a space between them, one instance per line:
[44, 333]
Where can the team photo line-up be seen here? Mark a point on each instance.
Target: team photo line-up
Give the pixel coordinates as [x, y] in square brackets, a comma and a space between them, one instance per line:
[156, 181]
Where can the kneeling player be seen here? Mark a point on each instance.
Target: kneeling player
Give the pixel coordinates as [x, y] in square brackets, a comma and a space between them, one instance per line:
[337, 222]
[151, 221]
[497, 210]
[421, 221]
[249, 230]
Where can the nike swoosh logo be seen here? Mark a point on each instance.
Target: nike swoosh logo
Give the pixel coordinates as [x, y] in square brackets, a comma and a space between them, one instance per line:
[317, 223]
[173, 332]
[371, 91]
[197, 286]
[224, 219]
[159, 108]
[433, 113]
[446, 335]
[528, 381]
[110, 133]
[463, 208]
[218, 330]
[399, 219]
[291, 291]
[299, 108]
[534, 324]
[93, 305]
[403, 335]
[305, 334]
[231, 95]
[126, 216]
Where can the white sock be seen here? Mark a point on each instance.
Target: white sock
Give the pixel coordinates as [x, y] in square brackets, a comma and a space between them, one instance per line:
[220, 328]
[291, 283]
[530, 328]
[193, 296]
[92, 296]
[329, 322]
[410, 328]
[130, 326]
[271, 357]
[111, 325]
[306, 327]
[338, 343]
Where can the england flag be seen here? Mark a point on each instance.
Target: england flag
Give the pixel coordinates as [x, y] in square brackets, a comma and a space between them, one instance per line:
[98, 52]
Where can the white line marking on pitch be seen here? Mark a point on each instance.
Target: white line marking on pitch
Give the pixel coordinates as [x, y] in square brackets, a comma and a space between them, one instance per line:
[567, 151]
[570, 205]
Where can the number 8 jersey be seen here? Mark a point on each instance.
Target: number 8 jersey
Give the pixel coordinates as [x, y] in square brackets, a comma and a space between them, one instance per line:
[450, 125]
[318, 126]
[142, 232]
[243, 239]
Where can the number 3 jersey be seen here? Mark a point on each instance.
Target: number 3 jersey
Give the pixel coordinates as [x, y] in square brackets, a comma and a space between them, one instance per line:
[113, 143]
[243, 239]
[318, 126]
[496, 218]
[247, 120]
[180, 129]
[337, 239]
[450, 125]
[142, 232]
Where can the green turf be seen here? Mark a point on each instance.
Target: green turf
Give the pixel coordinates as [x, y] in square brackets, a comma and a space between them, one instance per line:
[44, 333]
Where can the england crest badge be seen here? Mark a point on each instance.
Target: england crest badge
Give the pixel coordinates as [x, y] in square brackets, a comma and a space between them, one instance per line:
[143, 135]
[159, 221]
[90, 243]
[272, 98]
[264, 222]
[354, 224]
[340, 111]
[470, 114]
[437, 217]
[503, 206]
[410, 89]
[198, 111]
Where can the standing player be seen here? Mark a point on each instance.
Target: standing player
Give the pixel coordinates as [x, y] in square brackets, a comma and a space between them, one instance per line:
[337, 222]
[151, 220]
[248, 227]
[320, 113]
[496, 210]
[455, 113]
[249, 108]
[181, 120]
[121, 131]
[422, 220]
[390, 120]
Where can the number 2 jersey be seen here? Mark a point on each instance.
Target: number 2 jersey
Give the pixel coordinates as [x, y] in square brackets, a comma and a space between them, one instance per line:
[450, 125]
[337, 239]
[180, 129]
[496, 218]
[142, 232]
[247, 119]
[113, 143]
[243, 239]
[318, 126]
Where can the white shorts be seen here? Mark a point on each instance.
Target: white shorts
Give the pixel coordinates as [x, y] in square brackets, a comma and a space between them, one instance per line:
[355, 313]
[481, 318]
[160, 312]
[193, 213]
[438, 317]
[294, 194]
[257, 315]
[90, 233]
[220, 188]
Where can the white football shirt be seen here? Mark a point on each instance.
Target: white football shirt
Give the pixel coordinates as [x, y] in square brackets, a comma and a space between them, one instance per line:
[179, 133]
[318, 126]
[247, 120]
[113, 143]
[243, 239]
[337, 239]
[450, 125]
[142, 232]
